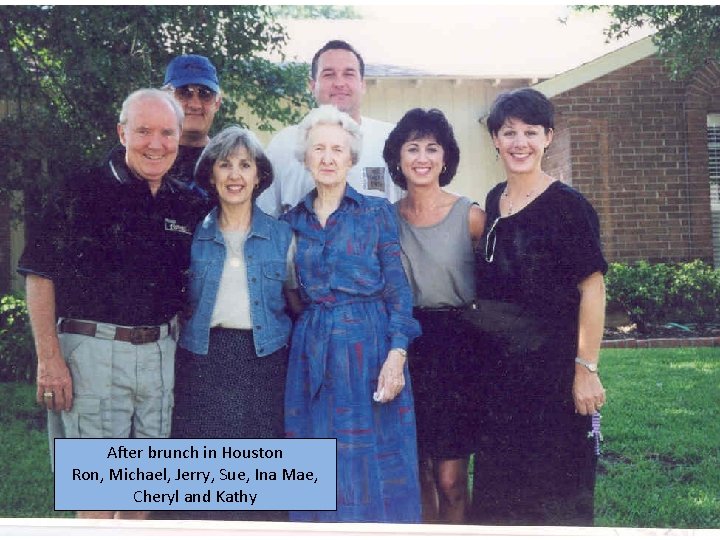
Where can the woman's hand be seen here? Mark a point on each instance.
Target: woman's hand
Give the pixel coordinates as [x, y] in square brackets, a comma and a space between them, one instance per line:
[391, 380]
[588, 391]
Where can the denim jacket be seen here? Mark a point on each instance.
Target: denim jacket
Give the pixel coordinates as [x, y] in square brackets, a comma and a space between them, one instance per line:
[265, 250]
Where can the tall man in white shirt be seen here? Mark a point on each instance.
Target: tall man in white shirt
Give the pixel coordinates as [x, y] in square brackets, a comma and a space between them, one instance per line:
[337, 78]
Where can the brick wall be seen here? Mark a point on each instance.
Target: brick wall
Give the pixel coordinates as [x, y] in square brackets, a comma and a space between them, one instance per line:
[557, 159]
[634, 143]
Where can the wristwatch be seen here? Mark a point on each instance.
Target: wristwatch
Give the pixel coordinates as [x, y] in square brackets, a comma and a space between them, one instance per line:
[592, 368]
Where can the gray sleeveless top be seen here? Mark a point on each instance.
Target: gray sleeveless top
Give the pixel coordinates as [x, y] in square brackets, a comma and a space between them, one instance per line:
[438, 260]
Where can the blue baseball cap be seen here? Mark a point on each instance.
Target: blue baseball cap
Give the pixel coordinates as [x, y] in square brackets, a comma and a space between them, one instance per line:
[191, 69]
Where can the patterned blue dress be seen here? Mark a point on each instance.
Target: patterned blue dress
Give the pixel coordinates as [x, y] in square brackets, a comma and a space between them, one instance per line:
[358, 306]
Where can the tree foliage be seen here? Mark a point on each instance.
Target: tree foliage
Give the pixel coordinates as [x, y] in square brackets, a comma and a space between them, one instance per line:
[315, 12]
[68, 68]
[687, 35]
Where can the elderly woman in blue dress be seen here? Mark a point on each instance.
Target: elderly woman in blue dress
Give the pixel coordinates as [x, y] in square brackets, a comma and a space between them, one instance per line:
[347, 375]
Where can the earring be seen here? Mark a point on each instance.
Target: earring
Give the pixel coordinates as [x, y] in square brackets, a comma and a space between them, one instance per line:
[397, 167]
[497, 153]
[444, 169]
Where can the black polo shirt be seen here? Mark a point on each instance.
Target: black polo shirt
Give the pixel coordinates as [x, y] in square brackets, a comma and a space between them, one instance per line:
[115, 252]
[184, 167]
[183, 170]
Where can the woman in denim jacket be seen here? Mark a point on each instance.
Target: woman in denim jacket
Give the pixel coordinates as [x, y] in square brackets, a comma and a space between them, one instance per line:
[232, 359]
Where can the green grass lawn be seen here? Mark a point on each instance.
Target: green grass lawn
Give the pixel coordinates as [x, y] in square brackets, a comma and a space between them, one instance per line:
[26, 489]
[661, 453]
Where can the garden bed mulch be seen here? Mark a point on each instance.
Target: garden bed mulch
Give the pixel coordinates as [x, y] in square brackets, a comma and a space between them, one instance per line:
[668, 335]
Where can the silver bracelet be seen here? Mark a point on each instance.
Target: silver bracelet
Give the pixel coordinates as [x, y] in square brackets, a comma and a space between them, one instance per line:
[590, 366]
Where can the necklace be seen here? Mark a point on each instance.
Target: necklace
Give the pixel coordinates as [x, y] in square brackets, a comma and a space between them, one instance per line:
[234, 241]
[505, 195]
[419, 216]
[510, 202]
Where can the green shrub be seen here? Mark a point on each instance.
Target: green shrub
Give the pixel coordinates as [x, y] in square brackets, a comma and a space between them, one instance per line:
[695, 293]
[17, 351]
[639, 289]
[660, 293]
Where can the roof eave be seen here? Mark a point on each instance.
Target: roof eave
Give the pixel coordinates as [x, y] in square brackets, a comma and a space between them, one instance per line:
[597, 68]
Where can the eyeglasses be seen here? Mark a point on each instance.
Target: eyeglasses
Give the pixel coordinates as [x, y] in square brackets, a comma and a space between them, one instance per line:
[490, 243]
[186, 93]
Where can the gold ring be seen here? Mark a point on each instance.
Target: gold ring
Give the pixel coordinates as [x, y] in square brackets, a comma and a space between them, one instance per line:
[48, 394]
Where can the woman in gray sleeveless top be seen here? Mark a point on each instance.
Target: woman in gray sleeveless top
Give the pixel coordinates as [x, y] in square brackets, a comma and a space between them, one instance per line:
[438, 232]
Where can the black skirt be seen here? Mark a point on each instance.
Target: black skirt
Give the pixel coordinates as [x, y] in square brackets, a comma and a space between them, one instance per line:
[535, 459]
[444, 370]
[230, 393]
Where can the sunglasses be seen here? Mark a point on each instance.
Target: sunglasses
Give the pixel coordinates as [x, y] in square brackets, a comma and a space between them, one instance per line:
[490, 241]
[186, 93]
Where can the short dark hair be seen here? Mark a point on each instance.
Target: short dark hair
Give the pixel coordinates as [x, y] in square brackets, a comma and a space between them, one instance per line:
[526, 104]
[331, 45]
[224, 144]
[417, 124]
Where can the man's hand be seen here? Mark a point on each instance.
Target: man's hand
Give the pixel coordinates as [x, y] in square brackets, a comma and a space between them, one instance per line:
[54, 384]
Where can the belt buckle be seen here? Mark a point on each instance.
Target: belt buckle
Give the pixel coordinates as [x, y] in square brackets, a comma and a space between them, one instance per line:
[140, 335]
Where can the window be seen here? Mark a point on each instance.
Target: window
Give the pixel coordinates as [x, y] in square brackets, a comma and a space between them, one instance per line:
[713, 138]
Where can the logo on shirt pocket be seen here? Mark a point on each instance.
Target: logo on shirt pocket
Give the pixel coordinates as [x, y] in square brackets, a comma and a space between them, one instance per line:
[173, 226]
[374, 178]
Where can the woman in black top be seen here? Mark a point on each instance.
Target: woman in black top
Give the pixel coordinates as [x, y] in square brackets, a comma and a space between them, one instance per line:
[540, 256]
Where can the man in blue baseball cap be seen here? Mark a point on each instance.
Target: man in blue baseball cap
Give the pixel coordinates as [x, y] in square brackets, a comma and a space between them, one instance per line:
[194, 81]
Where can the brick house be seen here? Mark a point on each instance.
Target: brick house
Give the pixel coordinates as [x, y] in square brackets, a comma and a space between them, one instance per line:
[640, 147]
[633, 141]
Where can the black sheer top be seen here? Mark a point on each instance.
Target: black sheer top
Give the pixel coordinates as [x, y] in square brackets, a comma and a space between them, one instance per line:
[537, 257]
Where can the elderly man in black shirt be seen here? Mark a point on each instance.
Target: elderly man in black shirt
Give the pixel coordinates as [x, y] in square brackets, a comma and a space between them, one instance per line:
[105, 283]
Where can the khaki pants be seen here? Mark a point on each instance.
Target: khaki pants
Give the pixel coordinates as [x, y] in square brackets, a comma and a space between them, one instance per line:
[120, 390]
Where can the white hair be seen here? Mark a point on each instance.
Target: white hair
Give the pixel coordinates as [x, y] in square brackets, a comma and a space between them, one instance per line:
[151, 93]
[328, 114]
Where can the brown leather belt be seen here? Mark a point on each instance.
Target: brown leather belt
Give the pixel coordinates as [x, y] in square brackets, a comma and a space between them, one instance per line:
[137, 335]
